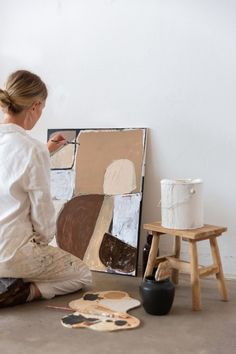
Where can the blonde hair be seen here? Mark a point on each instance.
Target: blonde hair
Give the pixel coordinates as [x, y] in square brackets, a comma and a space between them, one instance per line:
[22, 89]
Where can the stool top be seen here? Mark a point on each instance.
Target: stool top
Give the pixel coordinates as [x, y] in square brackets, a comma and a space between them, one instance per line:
[203, 232]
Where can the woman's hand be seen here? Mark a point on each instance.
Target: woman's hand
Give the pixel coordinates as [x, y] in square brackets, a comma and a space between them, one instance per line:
[56, 142]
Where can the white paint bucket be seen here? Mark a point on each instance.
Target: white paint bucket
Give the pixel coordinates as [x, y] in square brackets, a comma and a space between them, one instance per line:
[181, 203]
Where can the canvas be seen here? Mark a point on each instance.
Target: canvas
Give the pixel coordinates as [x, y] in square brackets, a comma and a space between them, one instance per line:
[97, 190]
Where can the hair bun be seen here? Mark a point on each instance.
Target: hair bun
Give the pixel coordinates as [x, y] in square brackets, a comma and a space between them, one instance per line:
[7, 102]
[21, 90]
[8, 98]
[5, 99]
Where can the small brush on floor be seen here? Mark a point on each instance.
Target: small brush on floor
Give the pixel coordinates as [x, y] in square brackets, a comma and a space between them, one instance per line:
[60, 308]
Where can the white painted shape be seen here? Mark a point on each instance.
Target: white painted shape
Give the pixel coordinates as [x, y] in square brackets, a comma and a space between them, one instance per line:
[62, 184]
[120, 177]
[126, 218]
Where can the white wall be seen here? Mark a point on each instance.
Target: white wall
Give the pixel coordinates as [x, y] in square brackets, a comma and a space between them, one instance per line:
[167, 65]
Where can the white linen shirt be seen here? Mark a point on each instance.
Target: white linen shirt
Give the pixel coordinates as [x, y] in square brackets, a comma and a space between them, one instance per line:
[26, 207]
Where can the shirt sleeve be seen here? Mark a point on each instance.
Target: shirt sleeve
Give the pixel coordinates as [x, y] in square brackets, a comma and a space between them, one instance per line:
[42, 212]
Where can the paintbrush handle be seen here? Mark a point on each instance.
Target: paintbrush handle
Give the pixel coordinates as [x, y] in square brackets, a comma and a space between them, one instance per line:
[59, 308]
[67, 142]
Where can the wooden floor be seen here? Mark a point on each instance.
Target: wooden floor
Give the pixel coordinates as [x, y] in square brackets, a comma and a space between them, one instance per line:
[33, 328]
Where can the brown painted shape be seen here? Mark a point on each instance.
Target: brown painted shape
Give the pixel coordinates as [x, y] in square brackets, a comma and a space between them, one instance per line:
[76, 223]
[98, 149]
[117, 255]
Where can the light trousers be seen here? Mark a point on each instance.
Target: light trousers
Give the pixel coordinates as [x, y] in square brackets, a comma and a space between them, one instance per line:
[53, 270]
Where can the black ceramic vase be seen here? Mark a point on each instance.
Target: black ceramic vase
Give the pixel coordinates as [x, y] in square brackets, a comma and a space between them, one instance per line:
[157, 296]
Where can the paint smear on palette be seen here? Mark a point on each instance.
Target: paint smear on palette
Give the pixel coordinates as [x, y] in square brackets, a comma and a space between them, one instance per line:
[64, 157]
[76, 223]
[98, 149]
[62, 184]
[119, 177]
[126, 218]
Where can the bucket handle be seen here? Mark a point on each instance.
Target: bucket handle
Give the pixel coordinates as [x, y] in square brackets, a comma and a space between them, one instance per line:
[192, 191]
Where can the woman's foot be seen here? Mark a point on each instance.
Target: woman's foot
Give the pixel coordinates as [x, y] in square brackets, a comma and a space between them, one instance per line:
[34, 293]
[13, 292]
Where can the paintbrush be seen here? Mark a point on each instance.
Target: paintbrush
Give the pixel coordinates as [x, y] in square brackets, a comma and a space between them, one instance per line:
[60, 308]
[109, 313]
[113, 315]
[67, 142]
[104, 315]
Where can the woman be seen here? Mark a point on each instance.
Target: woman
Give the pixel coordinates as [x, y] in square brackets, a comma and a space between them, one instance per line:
[27, 217]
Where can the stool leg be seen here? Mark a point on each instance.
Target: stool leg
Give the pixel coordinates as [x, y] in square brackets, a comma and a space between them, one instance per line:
[152, 254]
[220, 275]
[196, 294]
[175, 272]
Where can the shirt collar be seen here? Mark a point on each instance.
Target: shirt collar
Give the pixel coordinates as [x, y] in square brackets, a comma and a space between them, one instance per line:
[11, 128]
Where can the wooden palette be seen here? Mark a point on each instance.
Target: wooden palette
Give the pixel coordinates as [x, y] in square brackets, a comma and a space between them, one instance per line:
[102, 311]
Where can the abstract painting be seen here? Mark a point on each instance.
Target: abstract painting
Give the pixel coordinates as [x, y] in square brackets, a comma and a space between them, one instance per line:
[97, 188]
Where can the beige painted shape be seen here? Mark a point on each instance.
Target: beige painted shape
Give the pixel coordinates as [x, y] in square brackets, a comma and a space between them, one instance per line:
[91, 256]
[64, 157]
[113, 295]
[98, 149]
[69, 135]
[119, 177]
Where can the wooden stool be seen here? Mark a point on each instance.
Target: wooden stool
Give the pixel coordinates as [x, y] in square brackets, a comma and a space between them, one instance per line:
[207, 232]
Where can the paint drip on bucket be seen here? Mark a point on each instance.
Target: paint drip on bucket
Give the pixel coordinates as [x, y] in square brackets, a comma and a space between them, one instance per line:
[182, 203]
